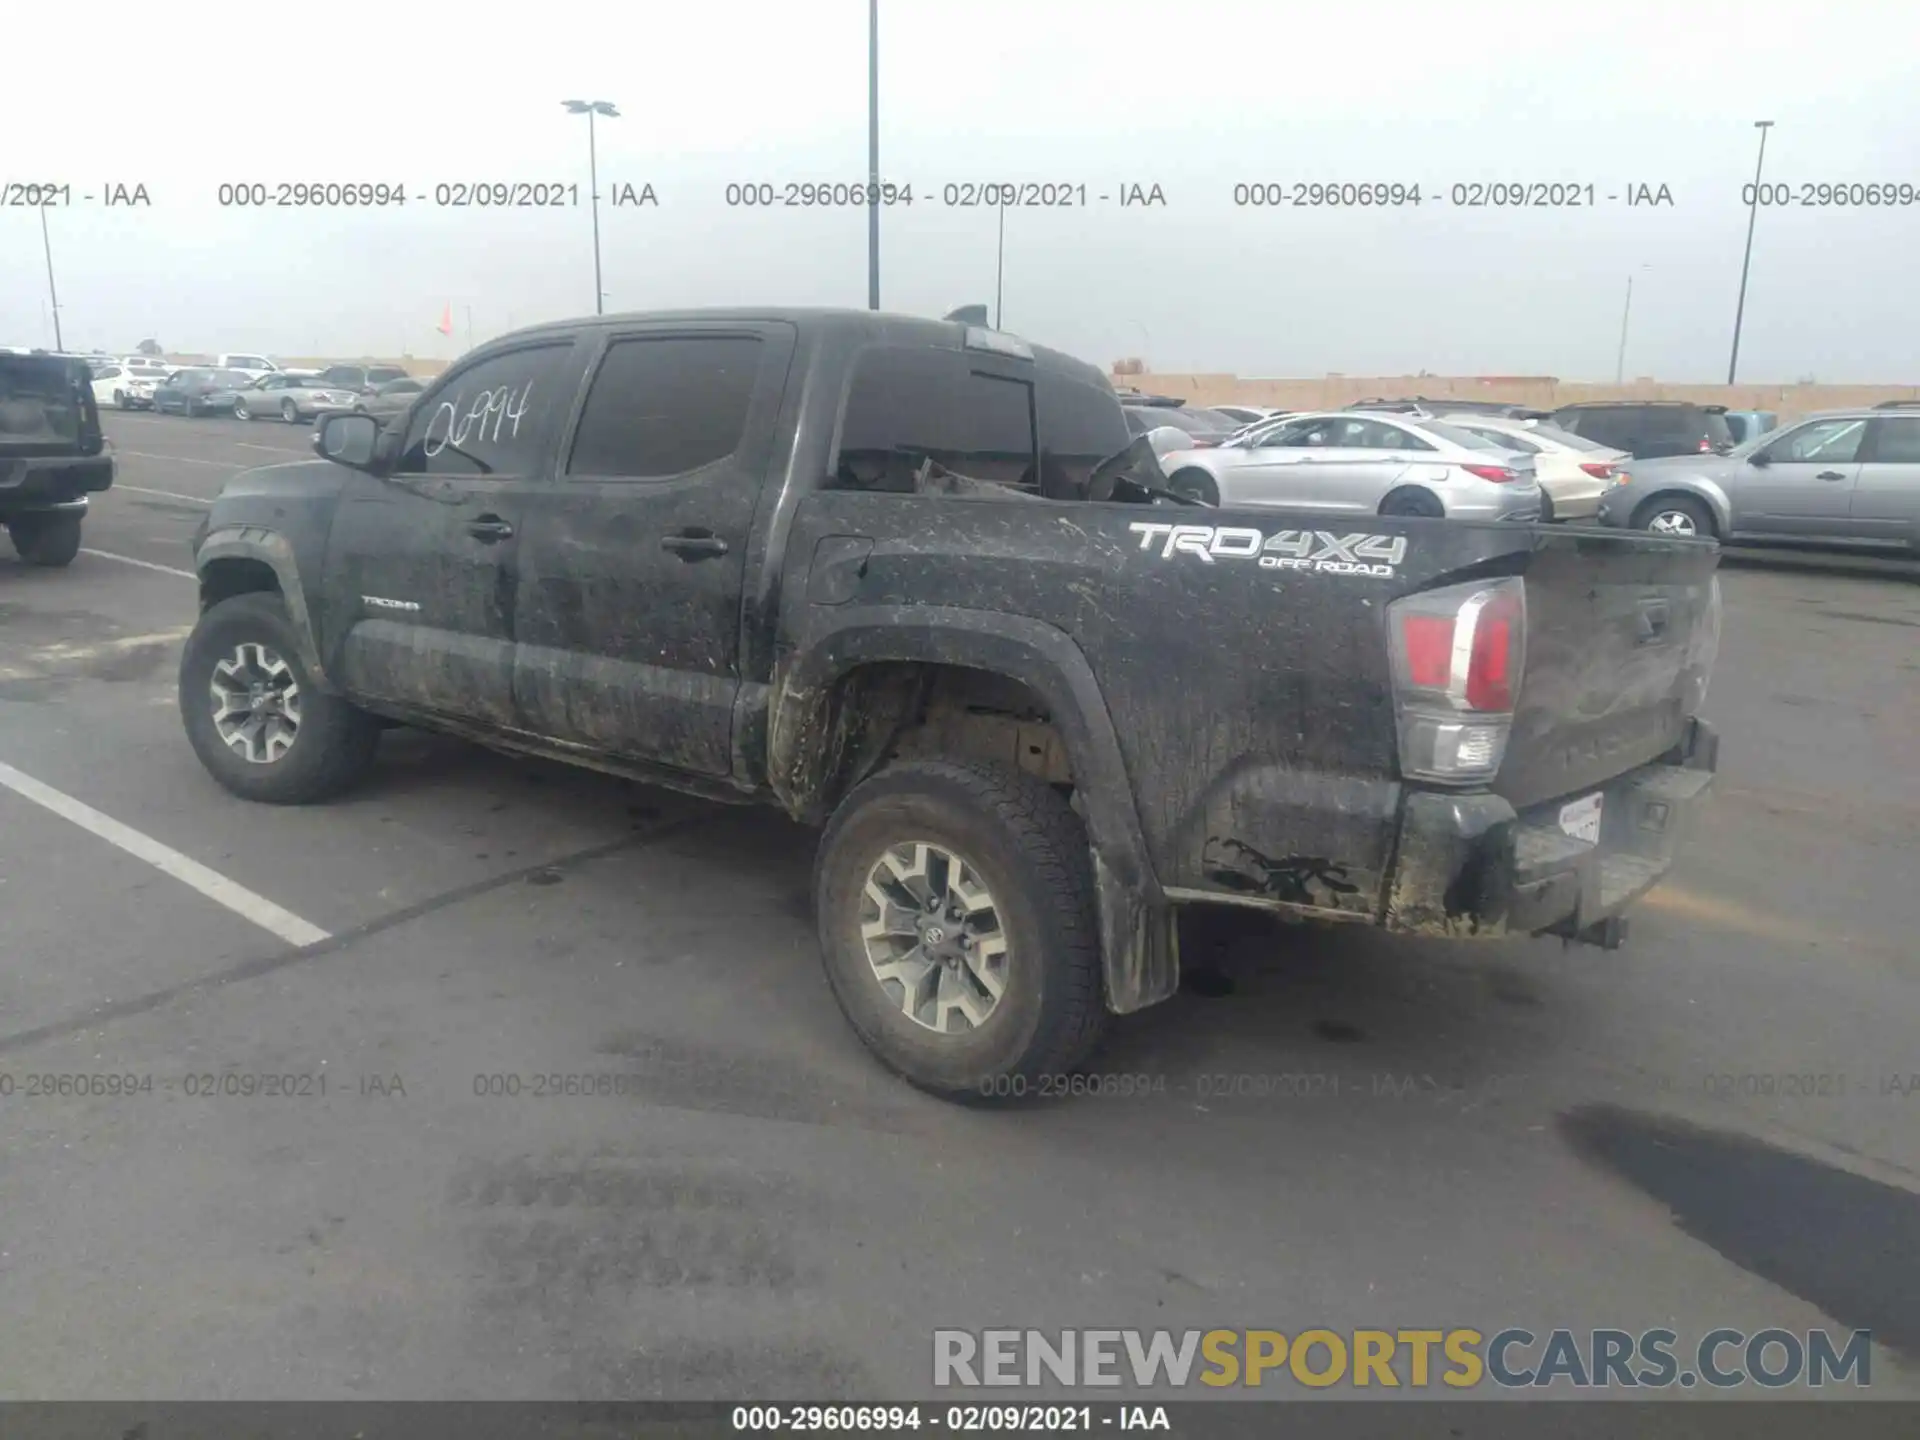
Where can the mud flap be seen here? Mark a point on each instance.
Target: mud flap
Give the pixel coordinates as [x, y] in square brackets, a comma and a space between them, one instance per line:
[1139, 943]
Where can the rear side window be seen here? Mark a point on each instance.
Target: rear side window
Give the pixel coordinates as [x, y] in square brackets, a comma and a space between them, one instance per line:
[907, 405]
[663, 406]
[1719, 433]
[1080, 425]
[1897, 442]
[489, 418]
[1610, 427]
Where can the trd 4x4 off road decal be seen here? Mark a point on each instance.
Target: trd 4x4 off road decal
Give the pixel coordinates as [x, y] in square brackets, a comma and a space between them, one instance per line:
[1315, 550]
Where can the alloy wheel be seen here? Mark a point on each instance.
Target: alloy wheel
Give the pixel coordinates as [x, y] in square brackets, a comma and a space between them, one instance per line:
[1673, 522]
[933, 937]
[256, 702]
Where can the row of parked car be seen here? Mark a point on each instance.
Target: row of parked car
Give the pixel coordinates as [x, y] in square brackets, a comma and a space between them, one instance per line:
[1845, 477]
[250, 387]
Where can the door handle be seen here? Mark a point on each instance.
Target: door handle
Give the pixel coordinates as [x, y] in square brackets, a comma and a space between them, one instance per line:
[694, 544]
[1830, 475]
[488, 529]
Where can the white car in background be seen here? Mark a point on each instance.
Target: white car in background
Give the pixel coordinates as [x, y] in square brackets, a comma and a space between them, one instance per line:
[1574, 472]
[129, 383]
[254, 366]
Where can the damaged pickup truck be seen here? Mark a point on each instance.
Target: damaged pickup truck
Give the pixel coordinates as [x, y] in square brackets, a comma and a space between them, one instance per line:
[52, 454]
[908, 580]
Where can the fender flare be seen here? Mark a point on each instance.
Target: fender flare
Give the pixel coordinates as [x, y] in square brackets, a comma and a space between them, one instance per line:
[269, 547]
[1136, 925]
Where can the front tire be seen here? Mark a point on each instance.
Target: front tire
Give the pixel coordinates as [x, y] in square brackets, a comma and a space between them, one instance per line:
[302, 744]
[955, 907]
[240, 410]
[120, 401]
[289, 412]
[47, 541]
[1677, 515]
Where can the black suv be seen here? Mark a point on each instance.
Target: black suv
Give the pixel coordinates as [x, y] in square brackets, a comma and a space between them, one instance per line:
[52, 454]
[1647, 429]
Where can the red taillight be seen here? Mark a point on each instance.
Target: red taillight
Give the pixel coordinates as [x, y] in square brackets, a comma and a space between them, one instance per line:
[1426, 642]
[1457, 657]
[1706, 444]
[1498, 474]
[1599, 472]
[1490, 668]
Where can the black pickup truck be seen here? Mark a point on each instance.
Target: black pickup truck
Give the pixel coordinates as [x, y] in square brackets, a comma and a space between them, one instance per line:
[52, 454]
[911, 580]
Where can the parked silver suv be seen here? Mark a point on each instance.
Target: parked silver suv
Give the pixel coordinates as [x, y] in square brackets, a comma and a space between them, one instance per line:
[1845, 477]
[1374, 464]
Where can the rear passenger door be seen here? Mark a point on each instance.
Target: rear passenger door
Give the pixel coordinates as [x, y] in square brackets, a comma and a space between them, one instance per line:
[1886, 498]
[631, 575]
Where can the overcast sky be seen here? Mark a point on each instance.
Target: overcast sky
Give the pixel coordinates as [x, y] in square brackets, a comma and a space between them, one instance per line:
[1195, 96]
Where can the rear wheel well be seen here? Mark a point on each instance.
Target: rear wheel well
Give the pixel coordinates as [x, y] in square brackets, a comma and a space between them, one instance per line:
[232, 575]
[1415, 500]
[891, 710]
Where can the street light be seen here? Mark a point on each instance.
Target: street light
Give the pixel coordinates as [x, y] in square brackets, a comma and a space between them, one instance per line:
[873, 154]
[53, 295]
[1000, 262]
[1753, 212]
[591, 108]
[1620, 363]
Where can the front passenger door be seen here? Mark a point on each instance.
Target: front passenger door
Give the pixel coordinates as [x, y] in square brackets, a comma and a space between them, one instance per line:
[631, 576]
[418, 612]
[1805, 488]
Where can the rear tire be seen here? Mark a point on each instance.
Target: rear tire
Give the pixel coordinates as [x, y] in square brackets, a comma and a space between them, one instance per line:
[120, 401]
[1415, 503]
[48, 541]
[1020, 856]
[240, 410]
[1195, 485]
[289, 412]
[1677, 515]
[332, 743]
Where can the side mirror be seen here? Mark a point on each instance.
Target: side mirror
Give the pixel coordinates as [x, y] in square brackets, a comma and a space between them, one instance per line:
[347, 439]
[1760, 458]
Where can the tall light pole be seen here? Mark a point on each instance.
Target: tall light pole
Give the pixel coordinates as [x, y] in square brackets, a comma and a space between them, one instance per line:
[1753, 212]
[1620, 362]
[591, 108]
[1000, 263]
[873, 154]
[53, 295]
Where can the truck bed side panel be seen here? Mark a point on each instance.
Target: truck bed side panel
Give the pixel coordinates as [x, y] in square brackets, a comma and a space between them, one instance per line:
[1251, 698]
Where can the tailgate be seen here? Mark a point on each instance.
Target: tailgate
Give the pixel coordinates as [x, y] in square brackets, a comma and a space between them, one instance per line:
[1620, 638]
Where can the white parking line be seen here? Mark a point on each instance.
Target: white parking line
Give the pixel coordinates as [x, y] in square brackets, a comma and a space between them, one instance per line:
[143, 564]
[216, 887]
[181, 459]
[164, 494]
[273, 449]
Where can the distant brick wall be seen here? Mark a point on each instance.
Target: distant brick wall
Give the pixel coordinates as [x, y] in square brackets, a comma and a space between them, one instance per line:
[1543, 391]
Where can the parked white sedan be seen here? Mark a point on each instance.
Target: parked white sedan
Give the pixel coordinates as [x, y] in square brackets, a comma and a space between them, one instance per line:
[129, 384]
[1574, 471]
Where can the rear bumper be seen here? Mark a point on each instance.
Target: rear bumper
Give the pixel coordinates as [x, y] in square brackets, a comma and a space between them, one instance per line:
[35, 486]
[1470, 866]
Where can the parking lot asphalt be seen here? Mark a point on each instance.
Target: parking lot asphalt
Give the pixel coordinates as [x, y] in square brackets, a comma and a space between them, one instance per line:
[1717, 1126]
